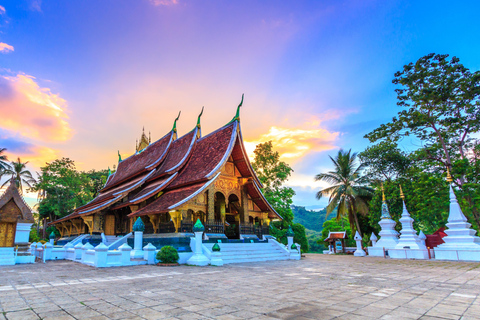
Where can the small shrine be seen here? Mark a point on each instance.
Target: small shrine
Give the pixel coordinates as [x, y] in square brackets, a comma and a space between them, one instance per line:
[16, 219]
[336, 242]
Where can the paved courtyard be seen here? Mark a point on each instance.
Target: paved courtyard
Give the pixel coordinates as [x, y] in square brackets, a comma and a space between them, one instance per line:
[318, 287]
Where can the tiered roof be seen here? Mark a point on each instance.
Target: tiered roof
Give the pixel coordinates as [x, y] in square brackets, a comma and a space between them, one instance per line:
[179, 168]
[12, 194]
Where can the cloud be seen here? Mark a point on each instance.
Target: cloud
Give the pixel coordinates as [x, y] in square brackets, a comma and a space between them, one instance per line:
[5, 48]
[164, 2]
[32, 111]
[2, 10]
[295, 143]
[17, 147]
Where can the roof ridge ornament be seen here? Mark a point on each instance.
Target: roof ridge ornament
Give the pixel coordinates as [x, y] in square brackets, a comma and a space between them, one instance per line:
[174, 129]
[199, 126]
[119, 156]
[237, 114]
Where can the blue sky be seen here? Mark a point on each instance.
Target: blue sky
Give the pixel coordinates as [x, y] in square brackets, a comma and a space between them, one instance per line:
[81, 79]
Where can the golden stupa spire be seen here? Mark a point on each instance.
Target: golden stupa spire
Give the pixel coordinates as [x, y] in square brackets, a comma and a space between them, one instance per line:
[401, 192]
[383, 193]
[449, 177]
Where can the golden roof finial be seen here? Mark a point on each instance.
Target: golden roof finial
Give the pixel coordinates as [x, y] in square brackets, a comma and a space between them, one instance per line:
[449, 177]
[401, 192]
[383, 193]
[149, 137]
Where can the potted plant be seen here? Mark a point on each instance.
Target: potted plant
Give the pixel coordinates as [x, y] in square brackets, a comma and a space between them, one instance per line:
[168, 256]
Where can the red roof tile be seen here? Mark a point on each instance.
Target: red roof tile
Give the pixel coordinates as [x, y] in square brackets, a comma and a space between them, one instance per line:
[152, 188]
[177, 155]
[257, 197]
[169, 199]
[207, 155]
[146, 160]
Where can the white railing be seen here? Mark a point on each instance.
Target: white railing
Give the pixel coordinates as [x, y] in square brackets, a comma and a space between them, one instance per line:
[119, 242]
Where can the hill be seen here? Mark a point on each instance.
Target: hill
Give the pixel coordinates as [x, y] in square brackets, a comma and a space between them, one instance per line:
[310, 219]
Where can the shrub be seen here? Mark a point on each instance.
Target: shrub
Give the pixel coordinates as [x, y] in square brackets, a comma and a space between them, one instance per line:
[34, 237]
[168, 254]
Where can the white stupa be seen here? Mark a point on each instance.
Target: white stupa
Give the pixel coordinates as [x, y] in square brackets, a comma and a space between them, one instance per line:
[460, 242]
[388, 234]
[359, 252]
[409, 245]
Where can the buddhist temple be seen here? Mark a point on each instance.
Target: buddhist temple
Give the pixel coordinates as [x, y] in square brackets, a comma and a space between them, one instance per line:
[174, 181]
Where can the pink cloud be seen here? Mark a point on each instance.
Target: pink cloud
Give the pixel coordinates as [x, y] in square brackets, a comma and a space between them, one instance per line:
[2, 10]
[164, 2]
[32, 111]
[4, 48]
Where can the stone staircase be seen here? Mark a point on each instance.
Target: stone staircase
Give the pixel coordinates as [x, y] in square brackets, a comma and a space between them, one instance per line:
[7, 256]
[110, 240]
[250, 252]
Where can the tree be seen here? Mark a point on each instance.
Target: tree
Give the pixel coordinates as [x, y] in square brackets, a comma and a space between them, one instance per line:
[440, 101]
[61, 188]
[3, 160]
[348, 192]
[273, 173]
[20, 174]
[384, 161]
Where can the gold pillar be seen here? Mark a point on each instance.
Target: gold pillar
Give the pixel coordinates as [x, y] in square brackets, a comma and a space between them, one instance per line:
[210, 204]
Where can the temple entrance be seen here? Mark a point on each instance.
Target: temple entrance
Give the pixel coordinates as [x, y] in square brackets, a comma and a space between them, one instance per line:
[232, 227]
[110, 225]
[7, 234]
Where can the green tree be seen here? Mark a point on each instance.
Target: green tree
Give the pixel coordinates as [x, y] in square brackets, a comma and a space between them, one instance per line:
[384, 161]
[440, 102]
[61, 188]
[20, 174]
[341, 224]
[348, 192]
[3, 160]
[273, 174]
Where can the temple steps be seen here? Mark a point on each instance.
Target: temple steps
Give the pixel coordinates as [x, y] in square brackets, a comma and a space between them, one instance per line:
[250, 252]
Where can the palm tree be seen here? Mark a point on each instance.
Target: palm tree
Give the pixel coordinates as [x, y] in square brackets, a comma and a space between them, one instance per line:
[3, 160]
[20, 174]
[348, 192]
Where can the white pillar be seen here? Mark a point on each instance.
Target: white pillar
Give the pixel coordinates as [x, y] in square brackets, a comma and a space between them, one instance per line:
[149, 253]
[359, 252]
[422, 237]
[216, 256]
[32, 248]
[52, 238]
[290, 235]
[125, 249]
[138, 228]
[101, 252]
[198, 258]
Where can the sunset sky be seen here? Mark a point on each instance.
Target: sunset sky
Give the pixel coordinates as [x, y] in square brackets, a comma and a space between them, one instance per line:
[80, 79]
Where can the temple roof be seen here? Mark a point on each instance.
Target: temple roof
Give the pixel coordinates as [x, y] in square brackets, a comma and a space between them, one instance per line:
[173, 170]
[12, 194]
[146, 160]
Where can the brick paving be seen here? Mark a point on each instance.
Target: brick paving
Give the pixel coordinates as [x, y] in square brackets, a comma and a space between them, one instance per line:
[317, 287]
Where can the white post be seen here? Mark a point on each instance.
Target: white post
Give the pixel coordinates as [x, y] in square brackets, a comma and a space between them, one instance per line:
[138, 228]
[52, 238]
[101, 252]
[78, 251]
[198, 258]
[359, 252]
[216, 256]
[422, 237]
[149, 253]
[47, 251]
[125, 249]
[32, 248]
[86, 247]
[374, 239]
[290, 235]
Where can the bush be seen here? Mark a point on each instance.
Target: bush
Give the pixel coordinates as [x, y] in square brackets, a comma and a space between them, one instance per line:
[34, 237]
[168, 254]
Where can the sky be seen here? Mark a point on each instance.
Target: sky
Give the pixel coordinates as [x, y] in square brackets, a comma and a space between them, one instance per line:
[80, 79]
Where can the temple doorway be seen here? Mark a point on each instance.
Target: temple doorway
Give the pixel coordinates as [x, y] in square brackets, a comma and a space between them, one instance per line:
[7, 234]
[110, 225]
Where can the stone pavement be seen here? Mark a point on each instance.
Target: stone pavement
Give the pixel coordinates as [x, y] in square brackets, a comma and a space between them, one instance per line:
[317, 287]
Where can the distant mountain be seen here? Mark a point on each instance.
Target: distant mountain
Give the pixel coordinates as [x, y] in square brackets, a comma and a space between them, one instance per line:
[310, 219]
